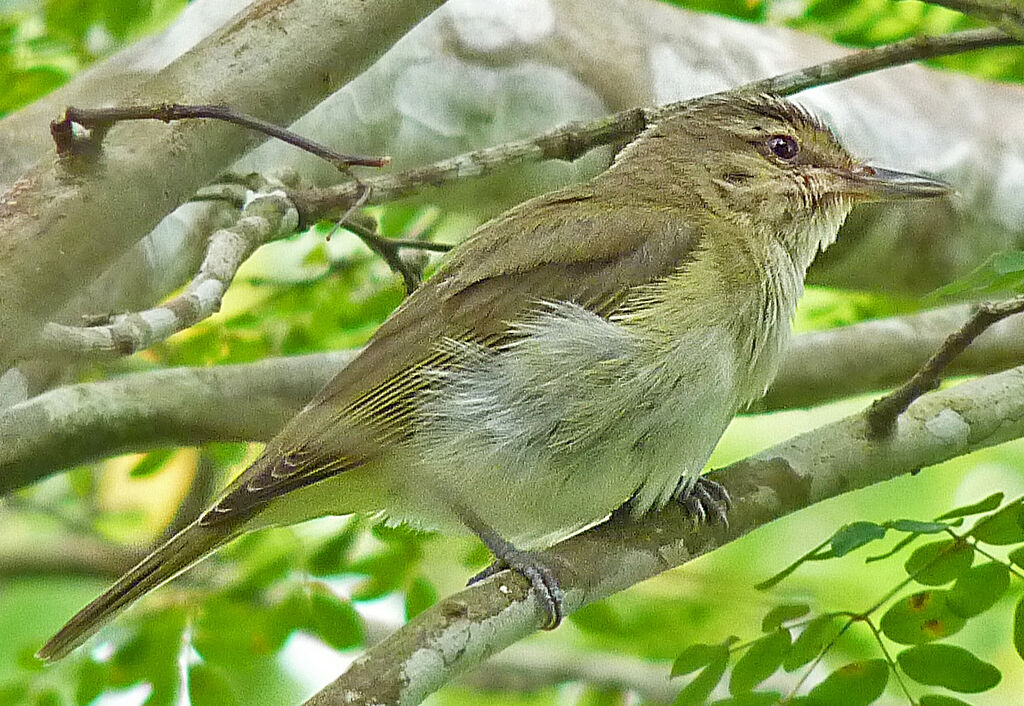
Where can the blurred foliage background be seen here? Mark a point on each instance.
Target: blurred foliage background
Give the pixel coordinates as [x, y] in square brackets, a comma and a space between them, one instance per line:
[277, 614]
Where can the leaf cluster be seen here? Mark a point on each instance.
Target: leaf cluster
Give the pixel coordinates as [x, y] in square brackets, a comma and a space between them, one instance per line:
[952, 589]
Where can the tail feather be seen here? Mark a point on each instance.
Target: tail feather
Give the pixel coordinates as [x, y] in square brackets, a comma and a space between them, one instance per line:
[176, 555]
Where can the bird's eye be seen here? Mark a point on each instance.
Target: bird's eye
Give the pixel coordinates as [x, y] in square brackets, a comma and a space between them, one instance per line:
[783, 146]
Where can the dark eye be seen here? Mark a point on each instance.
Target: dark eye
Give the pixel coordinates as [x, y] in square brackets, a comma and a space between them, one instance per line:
[783, 146]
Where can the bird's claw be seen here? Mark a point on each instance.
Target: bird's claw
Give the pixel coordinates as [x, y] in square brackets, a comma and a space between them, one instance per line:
[705, 500]
[542, 580]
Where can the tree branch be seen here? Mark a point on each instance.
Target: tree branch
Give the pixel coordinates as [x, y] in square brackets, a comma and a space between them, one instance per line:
[1005, 15]
[883, 413]
[466, 628]
[572, 141]
[184, 406]
[266, 215]
[190, 406]
[99, 120]
[50, 217]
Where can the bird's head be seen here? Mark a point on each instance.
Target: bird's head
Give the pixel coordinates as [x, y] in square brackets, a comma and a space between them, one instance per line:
[771, 167]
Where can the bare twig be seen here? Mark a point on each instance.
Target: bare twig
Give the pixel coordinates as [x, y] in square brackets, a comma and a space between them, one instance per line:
[267, 215]
[572, 141]
[388, 251]
[884, 57]
[99, 120]
[883, 412]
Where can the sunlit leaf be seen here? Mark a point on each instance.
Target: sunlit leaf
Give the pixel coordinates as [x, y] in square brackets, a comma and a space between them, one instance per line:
[759, 661]
[855, 684]
[207, 686]
[937, 700]
[810, 642]
[420, 595]
[1018, 628]
[151, 463]
[334, 619]
[978, 589]
[920, 618]
[1003, 527]
[938, 563]
[985, 505]
[783, 613]
[948, 666]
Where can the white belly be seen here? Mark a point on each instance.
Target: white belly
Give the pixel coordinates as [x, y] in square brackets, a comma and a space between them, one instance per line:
[550, 436]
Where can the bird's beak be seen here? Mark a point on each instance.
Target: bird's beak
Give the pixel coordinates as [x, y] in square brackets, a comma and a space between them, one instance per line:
[867, 183]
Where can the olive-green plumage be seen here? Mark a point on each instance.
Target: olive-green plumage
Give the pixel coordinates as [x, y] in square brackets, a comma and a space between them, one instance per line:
[586, 348]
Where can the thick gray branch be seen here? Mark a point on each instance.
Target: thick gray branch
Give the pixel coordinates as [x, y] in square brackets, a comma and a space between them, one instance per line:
[466, 628]
[64, 221]
[78, 423]
[188, 406]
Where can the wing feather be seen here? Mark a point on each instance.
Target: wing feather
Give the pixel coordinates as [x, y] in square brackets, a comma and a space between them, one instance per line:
[540, 251]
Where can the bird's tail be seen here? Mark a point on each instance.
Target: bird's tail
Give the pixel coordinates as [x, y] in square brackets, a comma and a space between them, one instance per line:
[170, 559]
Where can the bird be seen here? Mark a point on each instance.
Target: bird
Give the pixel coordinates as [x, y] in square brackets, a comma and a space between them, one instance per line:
[581, 353]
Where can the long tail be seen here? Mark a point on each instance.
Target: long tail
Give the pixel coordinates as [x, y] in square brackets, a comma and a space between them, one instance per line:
[173, 557]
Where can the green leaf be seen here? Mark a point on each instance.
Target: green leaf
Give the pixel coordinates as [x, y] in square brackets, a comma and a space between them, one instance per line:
[920, 618]
[753, 698]
[783, 613]
[760, 661]
[855, 535]
[151, 463]
[332, 556]
[1018, 628]
[986, 505]
[1017, 557]
[918, 527]
[978, 589]
[936, 700]
[697, 657]
[895, 549]
[938, 563]
[714, 659]
[334, 619]
[1000, 271]
[207, 686]
[855, 684]
[810, 642]
[948, 666]
[845, 540]
[598, 617]
[92, 681]
[420, 595]
[1003, 527]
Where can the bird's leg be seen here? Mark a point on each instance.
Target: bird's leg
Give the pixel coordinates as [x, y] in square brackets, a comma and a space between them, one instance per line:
[528, 564]
[703, 499]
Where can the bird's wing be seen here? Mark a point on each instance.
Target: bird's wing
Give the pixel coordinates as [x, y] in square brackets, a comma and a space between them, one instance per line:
[543, 250]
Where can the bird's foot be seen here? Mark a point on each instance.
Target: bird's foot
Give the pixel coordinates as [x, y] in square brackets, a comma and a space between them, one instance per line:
[529, 565]
[704, 500]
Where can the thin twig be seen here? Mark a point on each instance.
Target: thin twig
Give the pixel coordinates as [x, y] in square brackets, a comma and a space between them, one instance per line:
[882, 414]
[572, 141]
[388, 252]
[883, 57]
[267, 215]
[99, 120]
[1005, 15]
